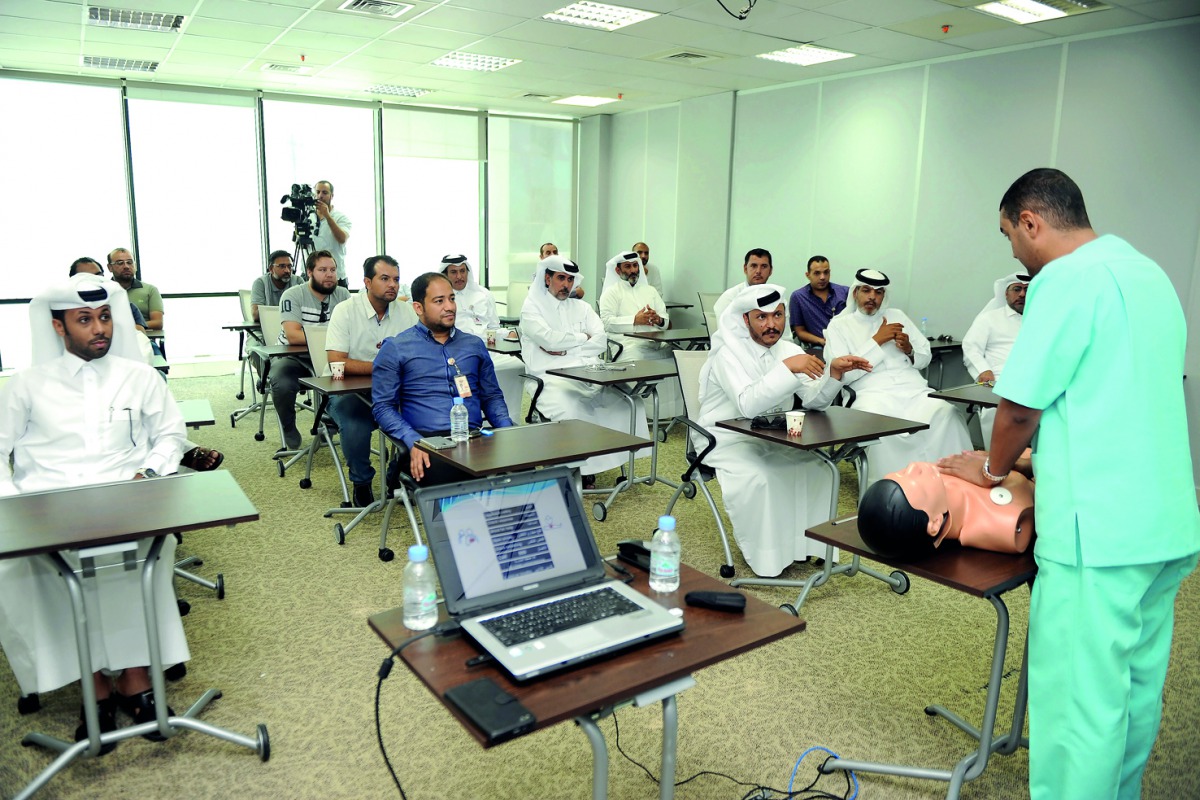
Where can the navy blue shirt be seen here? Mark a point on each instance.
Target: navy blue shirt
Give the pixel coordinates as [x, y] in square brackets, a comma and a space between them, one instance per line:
[412, 384]
[806, 309]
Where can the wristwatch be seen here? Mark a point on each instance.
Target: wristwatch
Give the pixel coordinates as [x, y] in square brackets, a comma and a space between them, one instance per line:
[147, 472]
[987, 472]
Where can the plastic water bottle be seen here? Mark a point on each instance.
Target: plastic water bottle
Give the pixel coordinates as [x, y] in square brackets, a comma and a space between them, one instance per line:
[420, 597]
[664, 556]
[925, 327]
[458, 421]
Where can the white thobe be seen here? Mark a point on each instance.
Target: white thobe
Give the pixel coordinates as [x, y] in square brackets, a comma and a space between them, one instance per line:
[573, 328]
[772, 492]
[619, 304]
[476, 315]
[986, 347]
[70, 423]
[727, 297]
[895, 387]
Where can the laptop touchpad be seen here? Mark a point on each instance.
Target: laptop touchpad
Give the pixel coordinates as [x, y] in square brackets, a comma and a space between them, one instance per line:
[586, 636]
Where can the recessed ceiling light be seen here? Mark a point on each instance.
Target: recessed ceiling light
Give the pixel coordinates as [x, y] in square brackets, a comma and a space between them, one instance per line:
[399, 91]
[806, 55]
[1021, 12]
[471, 61]
[598, 15]
[123, 64]
[584, 100]
[129, 18]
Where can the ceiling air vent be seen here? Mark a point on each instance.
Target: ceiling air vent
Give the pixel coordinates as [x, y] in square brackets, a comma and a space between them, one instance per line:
[545, 98]
[375, 8]
[686, 57]
[290, 69]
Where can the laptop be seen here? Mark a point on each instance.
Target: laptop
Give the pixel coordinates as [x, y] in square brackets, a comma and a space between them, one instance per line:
[515, 556]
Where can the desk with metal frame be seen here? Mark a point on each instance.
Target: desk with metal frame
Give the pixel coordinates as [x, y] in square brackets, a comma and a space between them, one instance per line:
[672, 305]
[95, 519]
[196, 413]
[588, 693]
[833, 435]
[680, 338]
[975, 396]
[632, 379]
[938, 350]
[980, 573]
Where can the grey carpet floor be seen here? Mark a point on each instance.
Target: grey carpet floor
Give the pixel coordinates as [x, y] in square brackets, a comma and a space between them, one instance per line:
[289, 646]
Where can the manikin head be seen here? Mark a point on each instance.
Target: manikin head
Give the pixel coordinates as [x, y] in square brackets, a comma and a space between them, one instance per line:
[901, 515]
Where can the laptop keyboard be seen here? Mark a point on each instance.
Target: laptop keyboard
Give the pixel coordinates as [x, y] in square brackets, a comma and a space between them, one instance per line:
[560, 615]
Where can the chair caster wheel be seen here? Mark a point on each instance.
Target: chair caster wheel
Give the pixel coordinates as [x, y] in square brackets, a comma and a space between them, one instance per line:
[282, 468]
[689, 490]
[339, 533]
[662, 435]
[386, 554]
[599, 512]
[184, 607]
[175, 673]
[232, 421]
[305, 483]
[264, 743]
[347, 504]
[29, 704]
[902, 582]
[220, 586]
[726, 571]
[240, 395]
[789, 609]
[258, 437]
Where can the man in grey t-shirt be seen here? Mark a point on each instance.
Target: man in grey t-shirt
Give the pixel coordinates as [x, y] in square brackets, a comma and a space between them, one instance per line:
[268, 288]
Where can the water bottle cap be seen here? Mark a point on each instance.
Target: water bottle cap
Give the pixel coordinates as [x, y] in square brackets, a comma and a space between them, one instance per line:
[666, 523]
[458, 401]
[418, 552]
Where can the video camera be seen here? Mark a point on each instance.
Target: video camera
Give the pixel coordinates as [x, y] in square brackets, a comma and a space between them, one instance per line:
[300, 214]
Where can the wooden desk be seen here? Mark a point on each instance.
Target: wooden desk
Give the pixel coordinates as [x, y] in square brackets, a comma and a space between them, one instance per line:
[632, 379]
[681, 338]
[196, 413]
[524, 447]
[833, 435]
[973, 395]
[592, 691]
[979, 573]
[47, 524]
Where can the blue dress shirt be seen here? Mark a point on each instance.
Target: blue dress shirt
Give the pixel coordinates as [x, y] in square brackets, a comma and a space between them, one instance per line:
[412, 384]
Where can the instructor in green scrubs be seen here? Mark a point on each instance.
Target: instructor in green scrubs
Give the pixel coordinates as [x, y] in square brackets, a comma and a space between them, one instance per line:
[1095, 380]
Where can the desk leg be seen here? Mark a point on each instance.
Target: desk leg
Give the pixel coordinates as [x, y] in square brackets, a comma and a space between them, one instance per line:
[599, 758]
[670, 741]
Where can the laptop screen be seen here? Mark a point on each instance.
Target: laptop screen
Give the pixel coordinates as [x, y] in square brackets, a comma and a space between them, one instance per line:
[499, 541]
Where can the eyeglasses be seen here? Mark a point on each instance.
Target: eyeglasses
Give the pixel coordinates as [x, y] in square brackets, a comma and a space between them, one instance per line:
[126, 263]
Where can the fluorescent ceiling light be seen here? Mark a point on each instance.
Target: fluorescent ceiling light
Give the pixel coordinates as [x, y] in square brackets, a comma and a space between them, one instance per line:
[598, 15]
[123, 64]
[129, 18]
[471, 61]
[1021, 12]
[806, 55]
[584, 100]
[399, 91]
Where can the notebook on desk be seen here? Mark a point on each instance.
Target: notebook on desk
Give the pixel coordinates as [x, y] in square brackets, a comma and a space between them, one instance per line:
[521, 572]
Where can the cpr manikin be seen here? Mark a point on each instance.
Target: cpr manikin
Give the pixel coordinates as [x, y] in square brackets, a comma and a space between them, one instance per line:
[909, 513]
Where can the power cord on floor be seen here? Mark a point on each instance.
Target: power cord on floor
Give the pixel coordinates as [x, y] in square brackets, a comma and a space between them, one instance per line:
[757, 791]
[442, 629]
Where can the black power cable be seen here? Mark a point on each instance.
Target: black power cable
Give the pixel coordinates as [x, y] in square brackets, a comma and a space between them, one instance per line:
[745, 12]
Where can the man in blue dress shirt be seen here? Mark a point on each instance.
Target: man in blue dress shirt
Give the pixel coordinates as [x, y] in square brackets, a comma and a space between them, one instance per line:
[418, 373]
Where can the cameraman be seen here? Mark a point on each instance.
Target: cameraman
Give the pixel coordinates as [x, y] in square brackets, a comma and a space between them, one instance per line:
[335, 229]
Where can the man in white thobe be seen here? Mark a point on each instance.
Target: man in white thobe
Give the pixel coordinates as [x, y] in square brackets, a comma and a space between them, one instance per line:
[629, 303]
[477, 315]
[757, 268]
[772, 492]
[89, 411]
[887, 338]
[559, 331]
[990, 338]
[651, 273]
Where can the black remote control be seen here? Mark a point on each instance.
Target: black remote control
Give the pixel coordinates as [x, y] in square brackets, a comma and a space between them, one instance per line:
[718, 601]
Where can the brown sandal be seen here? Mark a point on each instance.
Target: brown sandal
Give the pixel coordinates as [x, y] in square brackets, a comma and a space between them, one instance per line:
[202, 459]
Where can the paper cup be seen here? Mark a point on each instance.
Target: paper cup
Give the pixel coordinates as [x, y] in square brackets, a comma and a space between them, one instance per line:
[795, 422]
[491, 337]
[337, 369]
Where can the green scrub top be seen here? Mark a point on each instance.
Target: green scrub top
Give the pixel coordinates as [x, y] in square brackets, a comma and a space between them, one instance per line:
[1101, 353]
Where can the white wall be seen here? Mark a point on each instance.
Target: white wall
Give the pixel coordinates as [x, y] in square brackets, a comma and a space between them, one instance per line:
[903, 170]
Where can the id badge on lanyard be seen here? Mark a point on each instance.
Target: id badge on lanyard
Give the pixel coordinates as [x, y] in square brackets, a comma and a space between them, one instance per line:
[460, 381]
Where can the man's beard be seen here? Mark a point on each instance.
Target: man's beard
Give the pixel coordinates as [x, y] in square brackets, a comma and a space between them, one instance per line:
[316, 287]
[632, 279]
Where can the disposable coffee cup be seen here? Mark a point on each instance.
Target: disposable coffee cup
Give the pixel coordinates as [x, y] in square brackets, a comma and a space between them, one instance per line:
[795, 422]
[337, 369]
[491, 337]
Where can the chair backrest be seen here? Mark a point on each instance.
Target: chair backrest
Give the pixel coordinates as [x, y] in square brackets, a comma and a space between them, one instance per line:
[247, 310]
[270, 321]
[689, 363]
[315, 336]
[710, 321]
[515, 297]
[708, 300]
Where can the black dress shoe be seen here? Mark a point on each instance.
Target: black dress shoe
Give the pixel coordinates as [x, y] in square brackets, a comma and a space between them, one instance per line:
[363, 495]
[140, 707]
[107, 709]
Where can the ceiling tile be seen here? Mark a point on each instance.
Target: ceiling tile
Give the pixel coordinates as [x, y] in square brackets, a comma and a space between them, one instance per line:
[17, 42]
[740, 43]
[807, 26]
[1170, 9]
[882, 13]
[431, 37]
[1004, 37]
[70, 13]
[1094, 21]
[962, 22]
[347, 24]
[302, 39]
[868, 41]
[254, 13]
[468, 21]
[241, 31]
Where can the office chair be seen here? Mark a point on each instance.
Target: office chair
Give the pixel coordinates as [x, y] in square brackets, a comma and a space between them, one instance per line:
[688, 363]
